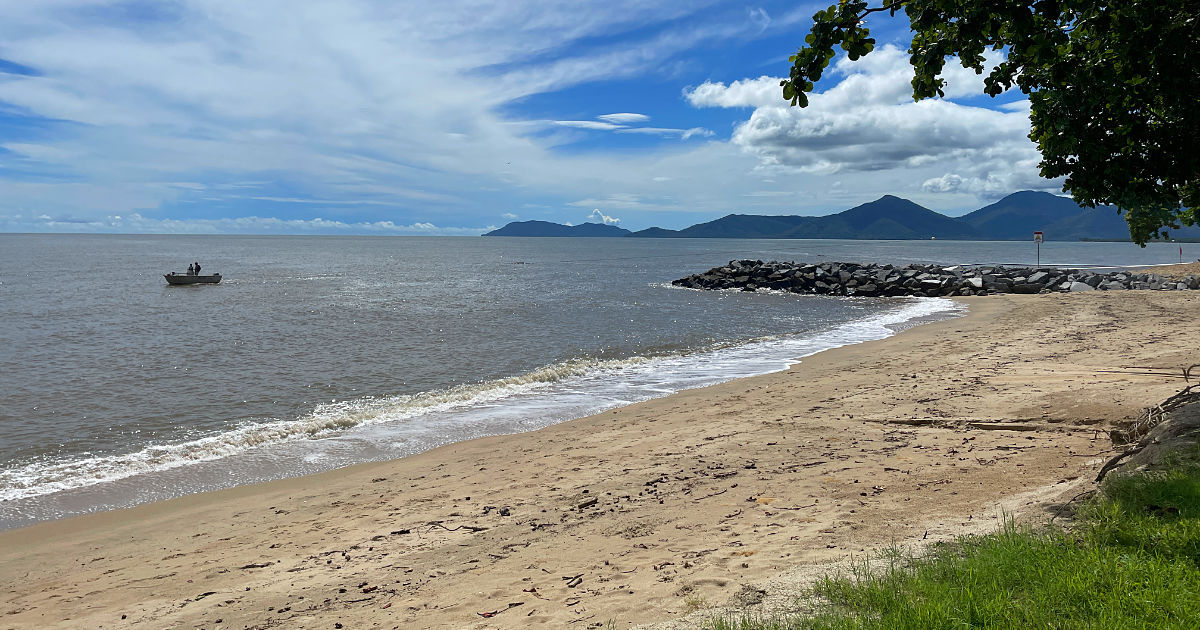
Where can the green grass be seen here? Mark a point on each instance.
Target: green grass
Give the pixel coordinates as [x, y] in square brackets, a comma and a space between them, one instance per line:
[1132, 560]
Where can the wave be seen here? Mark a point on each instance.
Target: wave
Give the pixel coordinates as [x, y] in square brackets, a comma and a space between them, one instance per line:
[636, 378]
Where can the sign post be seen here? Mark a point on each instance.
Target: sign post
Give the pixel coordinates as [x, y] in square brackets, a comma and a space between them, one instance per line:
[1037, 238]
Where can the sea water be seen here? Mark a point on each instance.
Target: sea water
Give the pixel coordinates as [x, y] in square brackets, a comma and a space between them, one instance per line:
[320, 352]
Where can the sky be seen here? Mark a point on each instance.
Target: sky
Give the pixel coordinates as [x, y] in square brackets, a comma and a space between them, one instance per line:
[455, 117]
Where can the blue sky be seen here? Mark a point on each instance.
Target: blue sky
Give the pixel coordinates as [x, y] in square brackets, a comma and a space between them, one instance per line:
[453, 117]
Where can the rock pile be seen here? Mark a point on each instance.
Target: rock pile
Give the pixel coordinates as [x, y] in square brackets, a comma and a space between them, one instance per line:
[871, 280]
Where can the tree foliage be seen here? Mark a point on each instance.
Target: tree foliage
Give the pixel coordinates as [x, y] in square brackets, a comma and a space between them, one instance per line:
[1114, 87]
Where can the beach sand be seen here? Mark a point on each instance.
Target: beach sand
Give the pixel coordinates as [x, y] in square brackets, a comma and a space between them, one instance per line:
[636, 515]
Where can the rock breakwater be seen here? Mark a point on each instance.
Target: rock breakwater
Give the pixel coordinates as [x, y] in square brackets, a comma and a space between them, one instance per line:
[874, 280]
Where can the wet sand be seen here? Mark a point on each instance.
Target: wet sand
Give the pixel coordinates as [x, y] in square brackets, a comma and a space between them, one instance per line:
[637, 514]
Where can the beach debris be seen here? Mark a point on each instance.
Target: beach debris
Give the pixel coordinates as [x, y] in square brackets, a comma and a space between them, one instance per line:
[533, 591]
[1002, 426]
[1140, 429]
[471, 528]
[256, 565]
[795, 507]
[748, 596]
[573, 580]
[493, 613]
[587, 504]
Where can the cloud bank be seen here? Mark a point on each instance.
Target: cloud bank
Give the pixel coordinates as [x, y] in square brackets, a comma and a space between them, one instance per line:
[868, 122]
[194, 115]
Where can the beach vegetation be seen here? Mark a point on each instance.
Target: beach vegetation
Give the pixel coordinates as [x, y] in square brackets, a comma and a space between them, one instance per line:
[1111, 87]
[693, 602]
[1131, 559]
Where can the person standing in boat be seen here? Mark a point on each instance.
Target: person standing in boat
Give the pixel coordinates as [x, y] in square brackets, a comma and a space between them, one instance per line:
[191, 270]
[197, 268]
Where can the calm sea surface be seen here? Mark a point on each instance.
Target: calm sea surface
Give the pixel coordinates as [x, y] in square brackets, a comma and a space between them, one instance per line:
[318, 352]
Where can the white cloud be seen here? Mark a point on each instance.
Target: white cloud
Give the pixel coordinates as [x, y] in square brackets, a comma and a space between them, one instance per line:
[761, 92]
[357, 103]
[508, 215]
[368, 111]
[759, 16]
[624, 118]
[868, 122]
[588, 124]
[696, 131]
[603, 218]
[628, 201]
[135, 223]
[683, 134]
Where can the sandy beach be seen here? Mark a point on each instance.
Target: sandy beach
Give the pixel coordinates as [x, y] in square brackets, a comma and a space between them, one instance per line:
[637, 515]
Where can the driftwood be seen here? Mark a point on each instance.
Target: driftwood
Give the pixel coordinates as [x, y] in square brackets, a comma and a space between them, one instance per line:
[1138, 433]
[471, 528]
[1002, 426]
[492, 613]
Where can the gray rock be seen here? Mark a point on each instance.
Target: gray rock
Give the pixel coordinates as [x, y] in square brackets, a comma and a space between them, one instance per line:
[868, 290]
[1080, 286]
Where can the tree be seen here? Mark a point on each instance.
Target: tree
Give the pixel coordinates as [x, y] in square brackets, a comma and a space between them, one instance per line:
[1114, 87]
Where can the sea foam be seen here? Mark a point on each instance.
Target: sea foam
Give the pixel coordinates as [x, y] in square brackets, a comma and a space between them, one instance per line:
[420, 421]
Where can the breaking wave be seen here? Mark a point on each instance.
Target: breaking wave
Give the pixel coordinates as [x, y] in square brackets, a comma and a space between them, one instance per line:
[637, 378]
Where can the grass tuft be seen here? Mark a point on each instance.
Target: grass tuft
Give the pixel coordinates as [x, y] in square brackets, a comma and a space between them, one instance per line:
[1131, 561]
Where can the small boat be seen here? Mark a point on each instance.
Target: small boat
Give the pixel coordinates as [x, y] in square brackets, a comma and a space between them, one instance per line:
[183, 278]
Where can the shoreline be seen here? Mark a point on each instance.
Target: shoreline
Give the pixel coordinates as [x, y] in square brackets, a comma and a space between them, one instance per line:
[642, 507]
[484, 409]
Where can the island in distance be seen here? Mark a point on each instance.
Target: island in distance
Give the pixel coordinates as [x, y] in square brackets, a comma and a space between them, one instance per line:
[1014, 217]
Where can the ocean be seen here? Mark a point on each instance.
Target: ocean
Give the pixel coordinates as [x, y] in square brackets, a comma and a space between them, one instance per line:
[317, 352]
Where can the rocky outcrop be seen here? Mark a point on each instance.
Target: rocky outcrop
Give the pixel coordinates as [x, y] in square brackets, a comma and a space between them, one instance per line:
[873, 280]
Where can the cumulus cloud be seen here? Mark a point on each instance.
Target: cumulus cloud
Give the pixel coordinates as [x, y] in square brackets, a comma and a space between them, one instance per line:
[868, 122]
[761, 92]
[988, 183]
[508, 215]
[603, 218]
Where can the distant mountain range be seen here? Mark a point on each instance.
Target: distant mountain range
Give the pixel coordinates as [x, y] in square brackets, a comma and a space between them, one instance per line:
[546, 228]
[1014, 217]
